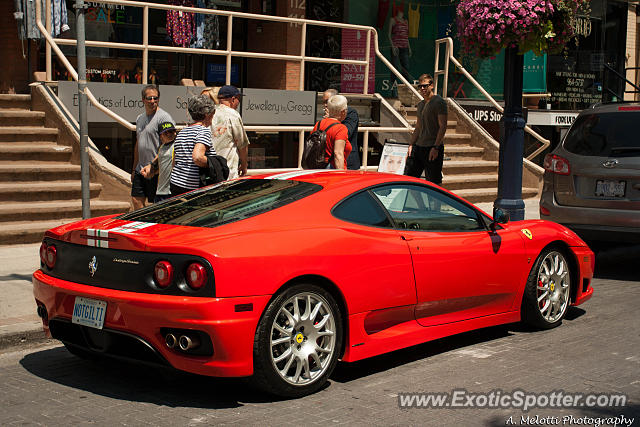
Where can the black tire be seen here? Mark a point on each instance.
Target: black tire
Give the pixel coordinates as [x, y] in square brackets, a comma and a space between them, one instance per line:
[547, 294]
[279, 353]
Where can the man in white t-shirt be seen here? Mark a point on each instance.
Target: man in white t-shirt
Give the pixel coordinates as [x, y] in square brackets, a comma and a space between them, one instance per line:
[229, 137]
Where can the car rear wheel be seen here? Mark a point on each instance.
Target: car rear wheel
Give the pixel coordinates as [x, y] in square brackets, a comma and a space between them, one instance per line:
[298, 341]
[548, 290]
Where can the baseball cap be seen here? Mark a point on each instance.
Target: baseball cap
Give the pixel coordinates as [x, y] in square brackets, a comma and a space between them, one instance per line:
[165, 126]
[228, 91]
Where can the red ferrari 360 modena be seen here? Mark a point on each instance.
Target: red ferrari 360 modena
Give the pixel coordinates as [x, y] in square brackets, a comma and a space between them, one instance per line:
[278, 276]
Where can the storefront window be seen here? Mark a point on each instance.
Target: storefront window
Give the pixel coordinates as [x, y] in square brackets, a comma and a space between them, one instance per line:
[585, 76]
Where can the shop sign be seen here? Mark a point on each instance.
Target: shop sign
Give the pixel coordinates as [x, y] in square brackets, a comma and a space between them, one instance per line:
[551, 118]
[125, 100]
[483, 114]
[278, 107]
[354, 43]
[105, 14]
[534, 73]
[574, 87]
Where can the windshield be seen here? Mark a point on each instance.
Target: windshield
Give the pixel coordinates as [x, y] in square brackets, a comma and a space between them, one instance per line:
[606, 134]
[224, 203]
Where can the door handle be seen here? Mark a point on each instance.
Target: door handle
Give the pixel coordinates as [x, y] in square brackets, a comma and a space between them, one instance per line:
[405, 238]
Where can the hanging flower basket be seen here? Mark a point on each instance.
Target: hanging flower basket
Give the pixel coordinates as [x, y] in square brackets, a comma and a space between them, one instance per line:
[547, 26]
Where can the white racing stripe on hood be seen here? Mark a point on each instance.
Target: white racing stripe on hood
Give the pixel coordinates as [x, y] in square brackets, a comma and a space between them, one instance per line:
[132, 227]
[295, 174]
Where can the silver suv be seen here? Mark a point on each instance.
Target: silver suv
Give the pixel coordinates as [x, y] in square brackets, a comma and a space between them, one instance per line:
[592, 179]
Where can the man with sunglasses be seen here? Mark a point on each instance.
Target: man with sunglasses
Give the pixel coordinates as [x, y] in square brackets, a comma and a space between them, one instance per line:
[426, 149]
[146, 148]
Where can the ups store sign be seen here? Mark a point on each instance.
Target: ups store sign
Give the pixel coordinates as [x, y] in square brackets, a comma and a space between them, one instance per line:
[483, 114]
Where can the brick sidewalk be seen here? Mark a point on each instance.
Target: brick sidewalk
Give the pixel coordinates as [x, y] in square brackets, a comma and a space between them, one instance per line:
[18, 319]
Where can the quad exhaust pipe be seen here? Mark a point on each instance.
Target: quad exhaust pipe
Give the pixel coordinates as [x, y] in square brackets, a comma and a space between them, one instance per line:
[184, 342]
[170, 340]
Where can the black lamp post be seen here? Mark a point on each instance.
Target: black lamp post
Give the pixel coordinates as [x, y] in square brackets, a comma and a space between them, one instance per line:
[511, 139]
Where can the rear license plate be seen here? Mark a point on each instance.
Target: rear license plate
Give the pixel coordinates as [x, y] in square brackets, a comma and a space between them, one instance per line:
[89, 312]
[610, 188]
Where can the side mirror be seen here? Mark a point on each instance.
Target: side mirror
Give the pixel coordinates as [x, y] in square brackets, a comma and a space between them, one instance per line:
[499, 217]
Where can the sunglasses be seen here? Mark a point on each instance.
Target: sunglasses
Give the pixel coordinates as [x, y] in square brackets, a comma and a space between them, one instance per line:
[152, 98]
[424, 86]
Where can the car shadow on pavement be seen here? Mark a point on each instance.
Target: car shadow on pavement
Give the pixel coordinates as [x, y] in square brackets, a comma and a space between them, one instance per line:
[13, 276]
[141, 383]
[346, 372]
[618, 263]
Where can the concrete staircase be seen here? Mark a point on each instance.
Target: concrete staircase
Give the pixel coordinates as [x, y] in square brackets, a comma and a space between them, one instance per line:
[39, 185]
[470, 170]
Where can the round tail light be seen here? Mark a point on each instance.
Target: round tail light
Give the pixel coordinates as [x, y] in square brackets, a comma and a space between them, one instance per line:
[163, 274]
[196, 276]
[50, 256]
[43, 253]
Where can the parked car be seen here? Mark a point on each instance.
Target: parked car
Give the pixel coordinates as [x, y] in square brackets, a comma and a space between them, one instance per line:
[592, 179]
[280, 275]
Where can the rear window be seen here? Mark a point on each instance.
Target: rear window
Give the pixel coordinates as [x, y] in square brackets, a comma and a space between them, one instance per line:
[224, 203]
[606, 134]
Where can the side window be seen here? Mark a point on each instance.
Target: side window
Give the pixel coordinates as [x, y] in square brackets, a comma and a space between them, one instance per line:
[362, 209]
[423, 208]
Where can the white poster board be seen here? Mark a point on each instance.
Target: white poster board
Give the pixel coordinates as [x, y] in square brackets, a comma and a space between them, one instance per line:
[394, 158]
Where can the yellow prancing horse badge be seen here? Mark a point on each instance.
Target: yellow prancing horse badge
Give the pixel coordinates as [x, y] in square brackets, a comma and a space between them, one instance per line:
[527, 233]
[299, 338]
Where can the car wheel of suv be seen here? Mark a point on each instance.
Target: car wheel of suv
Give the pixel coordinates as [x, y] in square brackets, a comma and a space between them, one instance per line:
[298, 341]
[548, 290]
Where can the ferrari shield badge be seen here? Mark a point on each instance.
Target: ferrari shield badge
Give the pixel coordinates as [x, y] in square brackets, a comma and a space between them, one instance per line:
[527, 233]
[93, 266]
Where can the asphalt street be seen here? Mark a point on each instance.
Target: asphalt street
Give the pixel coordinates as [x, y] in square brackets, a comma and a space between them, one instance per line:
[596, 350]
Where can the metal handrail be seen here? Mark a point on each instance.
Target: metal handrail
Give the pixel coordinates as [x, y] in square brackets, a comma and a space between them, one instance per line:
[145, 47]
[448, 42]
[610, 69]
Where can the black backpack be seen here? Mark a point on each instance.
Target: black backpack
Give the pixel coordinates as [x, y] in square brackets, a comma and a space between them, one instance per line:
[315, 147]
[217, 171]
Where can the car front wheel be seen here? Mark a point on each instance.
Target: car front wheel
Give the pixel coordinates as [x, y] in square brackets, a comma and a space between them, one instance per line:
[548, 290]
[298, 341]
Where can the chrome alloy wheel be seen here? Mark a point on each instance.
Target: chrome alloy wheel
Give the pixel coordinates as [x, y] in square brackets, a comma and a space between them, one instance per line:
[553, 285]
[303, 338]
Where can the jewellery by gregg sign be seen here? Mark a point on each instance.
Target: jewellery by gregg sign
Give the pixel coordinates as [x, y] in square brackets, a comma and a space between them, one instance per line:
[93, 266]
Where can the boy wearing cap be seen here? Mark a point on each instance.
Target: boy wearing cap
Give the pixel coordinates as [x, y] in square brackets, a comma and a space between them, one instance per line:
[162, 164]
[146, 146]
[229, 137]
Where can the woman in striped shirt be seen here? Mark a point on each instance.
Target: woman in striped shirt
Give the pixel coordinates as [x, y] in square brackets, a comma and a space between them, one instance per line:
[192, 145]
